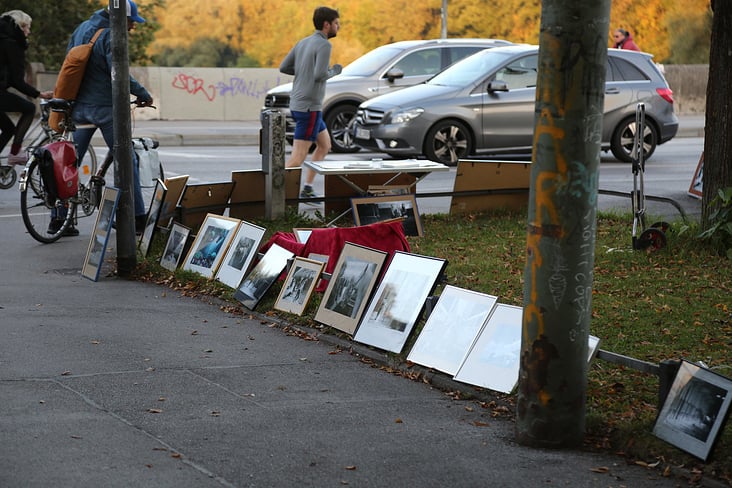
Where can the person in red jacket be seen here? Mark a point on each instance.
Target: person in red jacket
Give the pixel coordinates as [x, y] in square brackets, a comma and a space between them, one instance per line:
[14, 30]
[624, 40]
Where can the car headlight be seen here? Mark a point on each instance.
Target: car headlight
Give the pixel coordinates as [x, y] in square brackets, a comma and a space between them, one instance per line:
[405, 116]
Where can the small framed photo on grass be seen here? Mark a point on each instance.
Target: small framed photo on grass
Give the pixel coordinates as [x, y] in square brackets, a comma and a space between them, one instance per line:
[240, 255]
[299, 285]
[100, 234]
[369, 210]
[175, 246]
[302, 234]
[210, 245]
[151, 221]
[349, 288]
[695, 410]
[262, 276]
[399, 299]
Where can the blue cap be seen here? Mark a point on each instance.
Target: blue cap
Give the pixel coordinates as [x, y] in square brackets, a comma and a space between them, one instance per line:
[132, 12]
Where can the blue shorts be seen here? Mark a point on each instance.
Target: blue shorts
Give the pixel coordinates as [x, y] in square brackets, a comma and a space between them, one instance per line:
[308, 125]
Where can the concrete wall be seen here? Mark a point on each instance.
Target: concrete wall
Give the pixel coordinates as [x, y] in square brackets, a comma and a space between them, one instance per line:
[238, 94]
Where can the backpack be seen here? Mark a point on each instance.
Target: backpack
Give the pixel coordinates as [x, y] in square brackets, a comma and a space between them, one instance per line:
[71, 75]
[57, 165]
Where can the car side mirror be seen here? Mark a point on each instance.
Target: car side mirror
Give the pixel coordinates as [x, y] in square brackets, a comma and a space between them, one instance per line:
[394, 74]
[496, 86]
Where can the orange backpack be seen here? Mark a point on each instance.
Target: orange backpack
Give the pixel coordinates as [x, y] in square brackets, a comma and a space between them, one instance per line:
[70, 77]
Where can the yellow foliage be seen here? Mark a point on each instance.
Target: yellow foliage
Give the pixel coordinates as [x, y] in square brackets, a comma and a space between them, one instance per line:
[267, 29]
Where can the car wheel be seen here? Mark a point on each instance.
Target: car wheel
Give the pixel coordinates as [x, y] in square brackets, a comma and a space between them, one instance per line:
[624, 138]
[339, 121]
[447, 142]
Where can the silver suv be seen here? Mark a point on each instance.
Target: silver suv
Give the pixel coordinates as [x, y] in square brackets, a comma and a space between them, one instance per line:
[485, 104]
[384, 70]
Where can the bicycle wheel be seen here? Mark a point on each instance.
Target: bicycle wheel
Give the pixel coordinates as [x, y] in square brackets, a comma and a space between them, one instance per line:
[45, 221]
[88, 166]
[7, 176]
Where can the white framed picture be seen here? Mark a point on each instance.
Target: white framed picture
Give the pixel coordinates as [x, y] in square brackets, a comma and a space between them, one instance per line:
[175, 246]
[493, 360]
[451, 329]
[399, 299]
[240, 254]
[299, 285]
[210, 245]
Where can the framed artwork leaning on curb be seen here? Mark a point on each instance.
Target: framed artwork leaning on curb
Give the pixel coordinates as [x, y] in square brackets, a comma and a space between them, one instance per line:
[262, 276]
[151, 221]
[175, 246]
[240, 254]
[210, 245]
[299, 285]
[349, 288]
[398, 301]
[100, 234]
[695, 410]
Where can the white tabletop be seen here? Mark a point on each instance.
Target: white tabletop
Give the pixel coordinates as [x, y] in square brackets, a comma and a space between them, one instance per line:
[375, 166]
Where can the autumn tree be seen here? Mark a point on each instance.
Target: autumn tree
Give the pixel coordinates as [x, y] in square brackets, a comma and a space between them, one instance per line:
[717, 139]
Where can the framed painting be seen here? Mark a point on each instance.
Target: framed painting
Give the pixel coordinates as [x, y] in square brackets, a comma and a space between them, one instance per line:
[262, 276]
[151, 220]
[175, 186]
[349, 288]
[299, 285]
[451, 329]
[695, 410]
[369, 210]
[241, 252]
[175, 246]
[399, 299]
[210, 244]
[493, 359]
[100, 234]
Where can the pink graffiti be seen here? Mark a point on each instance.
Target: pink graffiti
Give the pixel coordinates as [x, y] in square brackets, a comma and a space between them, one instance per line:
[194, 85]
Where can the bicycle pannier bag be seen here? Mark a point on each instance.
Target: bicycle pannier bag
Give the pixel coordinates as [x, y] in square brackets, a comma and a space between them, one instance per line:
[148, 161]
[70, 77]
[57, 164]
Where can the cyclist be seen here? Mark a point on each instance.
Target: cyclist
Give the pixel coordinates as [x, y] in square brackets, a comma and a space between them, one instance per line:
[15, 27]
[94, 102]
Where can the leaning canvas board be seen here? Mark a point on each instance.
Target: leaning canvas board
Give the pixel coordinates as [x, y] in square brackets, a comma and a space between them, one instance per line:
[493, 360]
[451, 329]
[210, 245]
[299, 285]
[100, 234]
[399, 299]
[175, 186]
[241, 252]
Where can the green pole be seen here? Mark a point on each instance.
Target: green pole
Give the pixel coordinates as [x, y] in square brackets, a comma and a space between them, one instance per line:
[561, 223]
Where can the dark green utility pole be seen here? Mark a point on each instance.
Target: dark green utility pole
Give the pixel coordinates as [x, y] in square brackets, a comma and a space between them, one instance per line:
[123, 171]
[561, 223]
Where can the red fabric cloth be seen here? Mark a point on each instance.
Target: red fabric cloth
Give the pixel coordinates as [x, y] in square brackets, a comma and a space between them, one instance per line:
[384, 236]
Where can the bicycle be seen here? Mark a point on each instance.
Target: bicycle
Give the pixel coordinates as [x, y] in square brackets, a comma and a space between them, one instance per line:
[38, 210]
[40, 134]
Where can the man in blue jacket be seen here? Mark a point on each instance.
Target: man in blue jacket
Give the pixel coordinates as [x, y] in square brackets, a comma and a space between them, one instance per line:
[93, 104]
[309, 61]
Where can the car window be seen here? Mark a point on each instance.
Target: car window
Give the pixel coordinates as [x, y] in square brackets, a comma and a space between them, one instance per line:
[457, 53]
[420, 63]
[520, 73]
[471, 69]
[371, 61]
[623, 70]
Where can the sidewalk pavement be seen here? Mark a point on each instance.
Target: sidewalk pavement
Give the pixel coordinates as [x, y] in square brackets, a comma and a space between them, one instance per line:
[246, 133]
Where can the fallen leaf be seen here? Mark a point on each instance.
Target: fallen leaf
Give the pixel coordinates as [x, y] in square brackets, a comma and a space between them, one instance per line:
[66, 373]
[399, 421]
[215, 414]
[351, 468]
[479, 423]
[76, 437]
[154, 410]
[469, 409]
[195, 332]
[161, 399]
[95, 342]
[601, 469]
[176, 455]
